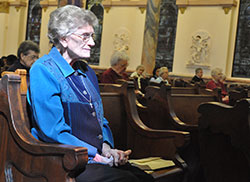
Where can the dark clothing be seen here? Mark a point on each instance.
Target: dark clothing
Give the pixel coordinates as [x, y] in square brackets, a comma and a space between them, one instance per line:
[110, 76]
[104, 173]
[18, 65]
[197, 79]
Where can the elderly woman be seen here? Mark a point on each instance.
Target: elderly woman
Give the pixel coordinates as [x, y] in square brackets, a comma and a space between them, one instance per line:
[217, 75]
[119, 63]
[66, 104]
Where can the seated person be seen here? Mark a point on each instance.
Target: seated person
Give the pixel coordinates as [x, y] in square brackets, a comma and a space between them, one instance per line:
[119, 63]
[27, 53]
[138, 72]
[198, 76]
[140, 78]
[155, 74]
[163, 76]
[8, 61]
[217, 74]
[66, 105]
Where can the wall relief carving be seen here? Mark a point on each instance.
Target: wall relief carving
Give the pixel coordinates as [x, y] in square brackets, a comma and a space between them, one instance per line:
[121, 40]
[199, 49]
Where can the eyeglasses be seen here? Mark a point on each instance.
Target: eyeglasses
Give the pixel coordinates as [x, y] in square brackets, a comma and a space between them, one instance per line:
[85, 36]
[33, 57]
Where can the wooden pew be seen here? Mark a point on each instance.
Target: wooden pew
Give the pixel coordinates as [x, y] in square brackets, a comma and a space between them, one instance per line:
[225, 141]
[184, 90]
[129, 132]
[186, 105]
[235, 95]
[23, 158]
[174, 110]
[178, 112]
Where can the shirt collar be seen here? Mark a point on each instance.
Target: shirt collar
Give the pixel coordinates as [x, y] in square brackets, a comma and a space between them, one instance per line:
[63, 65]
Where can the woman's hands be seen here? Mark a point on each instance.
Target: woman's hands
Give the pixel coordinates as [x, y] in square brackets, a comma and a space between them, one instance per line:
[119, 157]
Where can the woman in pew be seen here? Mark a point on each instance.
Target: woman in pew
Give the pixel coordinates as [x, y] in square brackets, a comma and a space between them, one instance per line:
[217, 83]
[66, 104]
[119, 63]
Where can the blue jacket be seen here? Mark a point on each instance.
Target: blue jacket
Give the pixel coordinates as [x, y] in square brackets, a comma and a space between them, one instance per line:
[66, 105]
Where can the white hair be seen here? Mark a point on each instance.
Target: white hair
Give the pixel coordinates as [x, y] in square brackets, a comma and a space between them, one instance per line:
[118, 56]
[66, 20]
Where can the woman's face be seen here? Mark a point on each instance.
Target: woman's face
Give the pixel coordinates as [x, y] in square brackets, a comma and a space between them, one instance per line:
[140, 71]
[78, 44]
[218, 76]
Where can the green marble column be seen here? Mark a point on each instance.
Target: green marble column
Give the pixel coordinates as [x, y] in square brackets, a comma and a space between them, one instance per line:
[151, 35]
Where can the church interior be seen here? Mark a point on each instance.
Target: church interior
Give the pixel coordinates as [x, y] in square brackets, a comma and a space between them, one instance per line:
[200, 134]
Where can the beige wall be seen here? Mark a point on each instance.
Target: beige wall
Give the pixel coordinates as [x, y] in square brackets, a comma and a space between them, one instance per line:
[12, 29]
[222, 30]
[3, 27]
[44, 41]
[123, 20]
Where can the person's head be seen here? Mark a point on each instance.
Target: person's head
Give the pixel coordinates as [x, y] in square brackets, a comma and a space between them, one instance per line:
[11, 59]
[140, 69]
[28, 53]
[71, 30]
[156, 71]
[199, 72]
[216, 74]
[4, 60]
[119, 61]
[223, 78]
[163, 73]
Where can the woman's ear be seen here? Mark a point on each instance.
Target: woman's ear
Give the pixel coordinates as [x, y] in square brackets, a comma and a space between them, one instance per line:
[64, 42]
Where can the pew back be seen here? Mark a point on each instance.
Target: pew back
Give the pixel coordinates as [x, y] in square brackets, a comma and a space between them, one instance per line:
[186, 105]
[171, 110]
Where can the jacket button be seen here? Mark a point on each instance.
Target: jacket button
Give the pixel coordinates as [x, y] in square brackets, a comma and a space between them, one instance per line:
[99, 137]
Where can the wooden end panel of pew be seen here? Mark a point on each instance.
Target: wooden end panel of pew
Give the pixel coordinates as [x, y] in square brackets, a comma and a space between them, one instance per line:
[224, 133]
[23, 158]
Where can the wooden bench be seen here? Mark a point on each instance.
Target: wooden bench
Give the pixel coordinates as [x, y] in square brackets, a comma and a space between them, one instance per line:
[224, 134]
[23, 158]
[173, 110]
[130, 133]
[178, 112]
